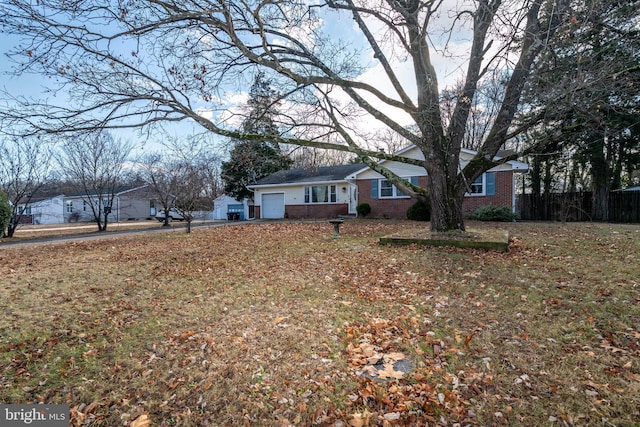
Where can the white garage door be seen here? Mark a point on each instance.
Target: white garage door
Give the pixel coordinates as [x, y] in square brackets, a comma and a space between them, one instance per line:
[272, 206]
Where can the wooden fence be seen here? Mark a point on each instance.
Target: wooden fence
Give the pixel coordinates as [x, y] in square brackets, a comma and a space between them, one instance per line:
[624, 206]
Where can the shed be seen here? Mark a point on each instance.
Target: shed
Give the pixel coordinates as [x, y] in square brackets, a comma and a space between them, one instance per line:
[227, 208]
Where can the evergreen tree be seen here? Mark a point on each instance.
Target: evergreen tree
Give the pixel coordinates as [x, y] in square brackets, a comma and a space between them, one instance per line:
[5, 213]
[250, 160]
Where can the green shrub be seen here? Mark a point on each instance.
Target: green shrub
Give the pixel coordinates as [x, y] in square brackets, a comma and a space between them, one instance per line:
[419, 211]
[363, 209]
[493, 213]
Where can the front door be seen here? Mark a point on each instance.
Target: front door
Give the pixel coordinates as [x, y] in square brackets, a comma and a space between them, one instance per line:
[353, 198]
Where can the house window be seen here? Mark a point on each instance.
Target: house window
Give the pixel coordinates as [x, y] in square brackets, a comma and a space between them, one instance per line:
[484, 185]
[387, 190]
[69, 206]
[320, 194]
[477, 186]
[84, 206]
[26, 210]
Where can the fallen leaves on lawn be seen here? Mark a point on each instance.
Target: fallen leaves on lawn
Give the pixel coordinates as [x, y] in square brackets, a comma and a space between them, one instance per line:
[142, 421]
[426, 393]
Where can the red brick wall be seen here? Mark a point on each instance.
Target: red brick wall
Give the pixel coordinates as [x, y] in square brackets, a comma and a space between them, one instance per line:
[315, 211]
[311, 211]
[397, 208]
[385, 208]
[503, 196]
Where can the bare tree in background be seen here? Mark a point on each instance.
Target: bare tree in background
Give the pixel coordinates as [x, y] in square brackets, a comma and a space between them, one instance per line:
[160, 175]
[191, 190]
[96, 163]
[182, 53]
[25, 164]
[183, 184]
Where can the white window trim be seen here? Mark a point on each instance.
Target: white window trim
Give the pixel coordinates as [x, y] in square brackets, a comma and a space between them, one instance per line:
[394, 190]
[329, 193]
[484, 187]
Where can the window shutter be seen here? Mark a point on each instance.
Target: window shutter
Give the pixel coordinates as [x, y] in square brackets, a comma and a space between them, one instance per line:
[374, 189]
[490, 181]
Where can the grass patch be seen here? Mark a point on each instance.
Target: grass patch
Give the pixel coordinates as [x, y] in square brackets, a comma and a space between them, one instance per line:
[258, 324]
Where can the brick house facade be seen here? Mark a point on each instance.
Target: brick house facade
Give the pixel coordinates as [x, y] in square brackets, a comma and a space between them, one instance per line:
[501, 194]
[329, 192]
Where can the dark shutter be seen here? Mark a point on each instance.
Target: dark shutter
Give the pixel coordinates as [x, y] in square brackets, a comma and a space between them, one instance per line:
[490, 181]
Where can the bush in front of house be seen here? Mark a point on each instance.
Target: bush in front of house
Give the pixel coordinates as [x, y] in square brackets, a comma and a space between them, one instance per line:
[493, 213]
[363, 209]
[419, 211]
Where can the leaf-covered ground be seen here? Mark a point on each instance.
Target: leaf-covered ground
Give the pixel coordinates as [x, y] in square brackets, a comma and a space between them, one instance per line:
[280, 324]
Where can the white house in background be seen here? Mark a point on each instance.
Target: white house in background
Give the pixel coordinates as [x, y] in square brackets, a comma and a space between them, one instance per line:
[227, 208]
[129, 203]
[43, 210]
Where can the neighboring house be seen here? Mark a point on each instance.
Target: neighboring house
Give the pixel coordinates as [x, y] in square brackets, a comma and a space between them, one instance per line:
[228, 208]
[337, 190]
[322, 192]
[129, 203]
[43, 210]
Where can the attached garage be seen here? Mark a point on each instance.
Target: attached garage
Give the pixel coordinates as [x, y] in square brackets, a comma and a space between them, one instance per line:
[272, 206]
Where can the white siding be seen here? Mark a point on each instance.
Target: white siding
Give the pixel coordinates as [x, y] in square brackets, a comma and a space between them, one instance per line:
[405, 170]
[294, 194]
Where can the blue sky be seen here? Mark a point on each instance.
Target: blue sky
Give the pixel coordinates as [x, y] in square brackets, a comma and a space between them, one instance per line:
[34, 86]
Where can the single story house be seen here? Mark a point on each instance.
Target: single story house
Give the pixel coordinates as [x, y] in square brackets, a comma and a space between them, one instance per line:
[322, 192]
[42, 210]
[129, 203]
[332, 191]
[228, 208]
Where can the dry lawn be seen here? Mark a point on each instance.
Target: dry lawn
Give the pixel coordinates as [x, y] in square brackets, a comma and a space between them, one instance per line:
[280, 324]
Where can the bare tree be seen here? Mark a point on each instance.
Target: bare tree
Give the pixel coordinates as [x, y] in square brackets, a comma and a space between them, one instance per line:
[593, 122]
[181, 53]
[24, 168]
[160, 175]
[184, 185]
[191, 190]
[96, 163]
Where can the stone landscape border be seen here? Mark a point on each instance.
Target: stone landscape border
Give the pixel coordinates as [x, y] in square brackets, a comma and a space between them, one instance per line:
[497, 240]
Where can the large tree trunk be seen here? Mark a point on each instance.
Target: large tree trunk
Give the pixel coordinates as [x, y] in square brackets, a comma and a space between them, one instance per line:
[446, 203]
